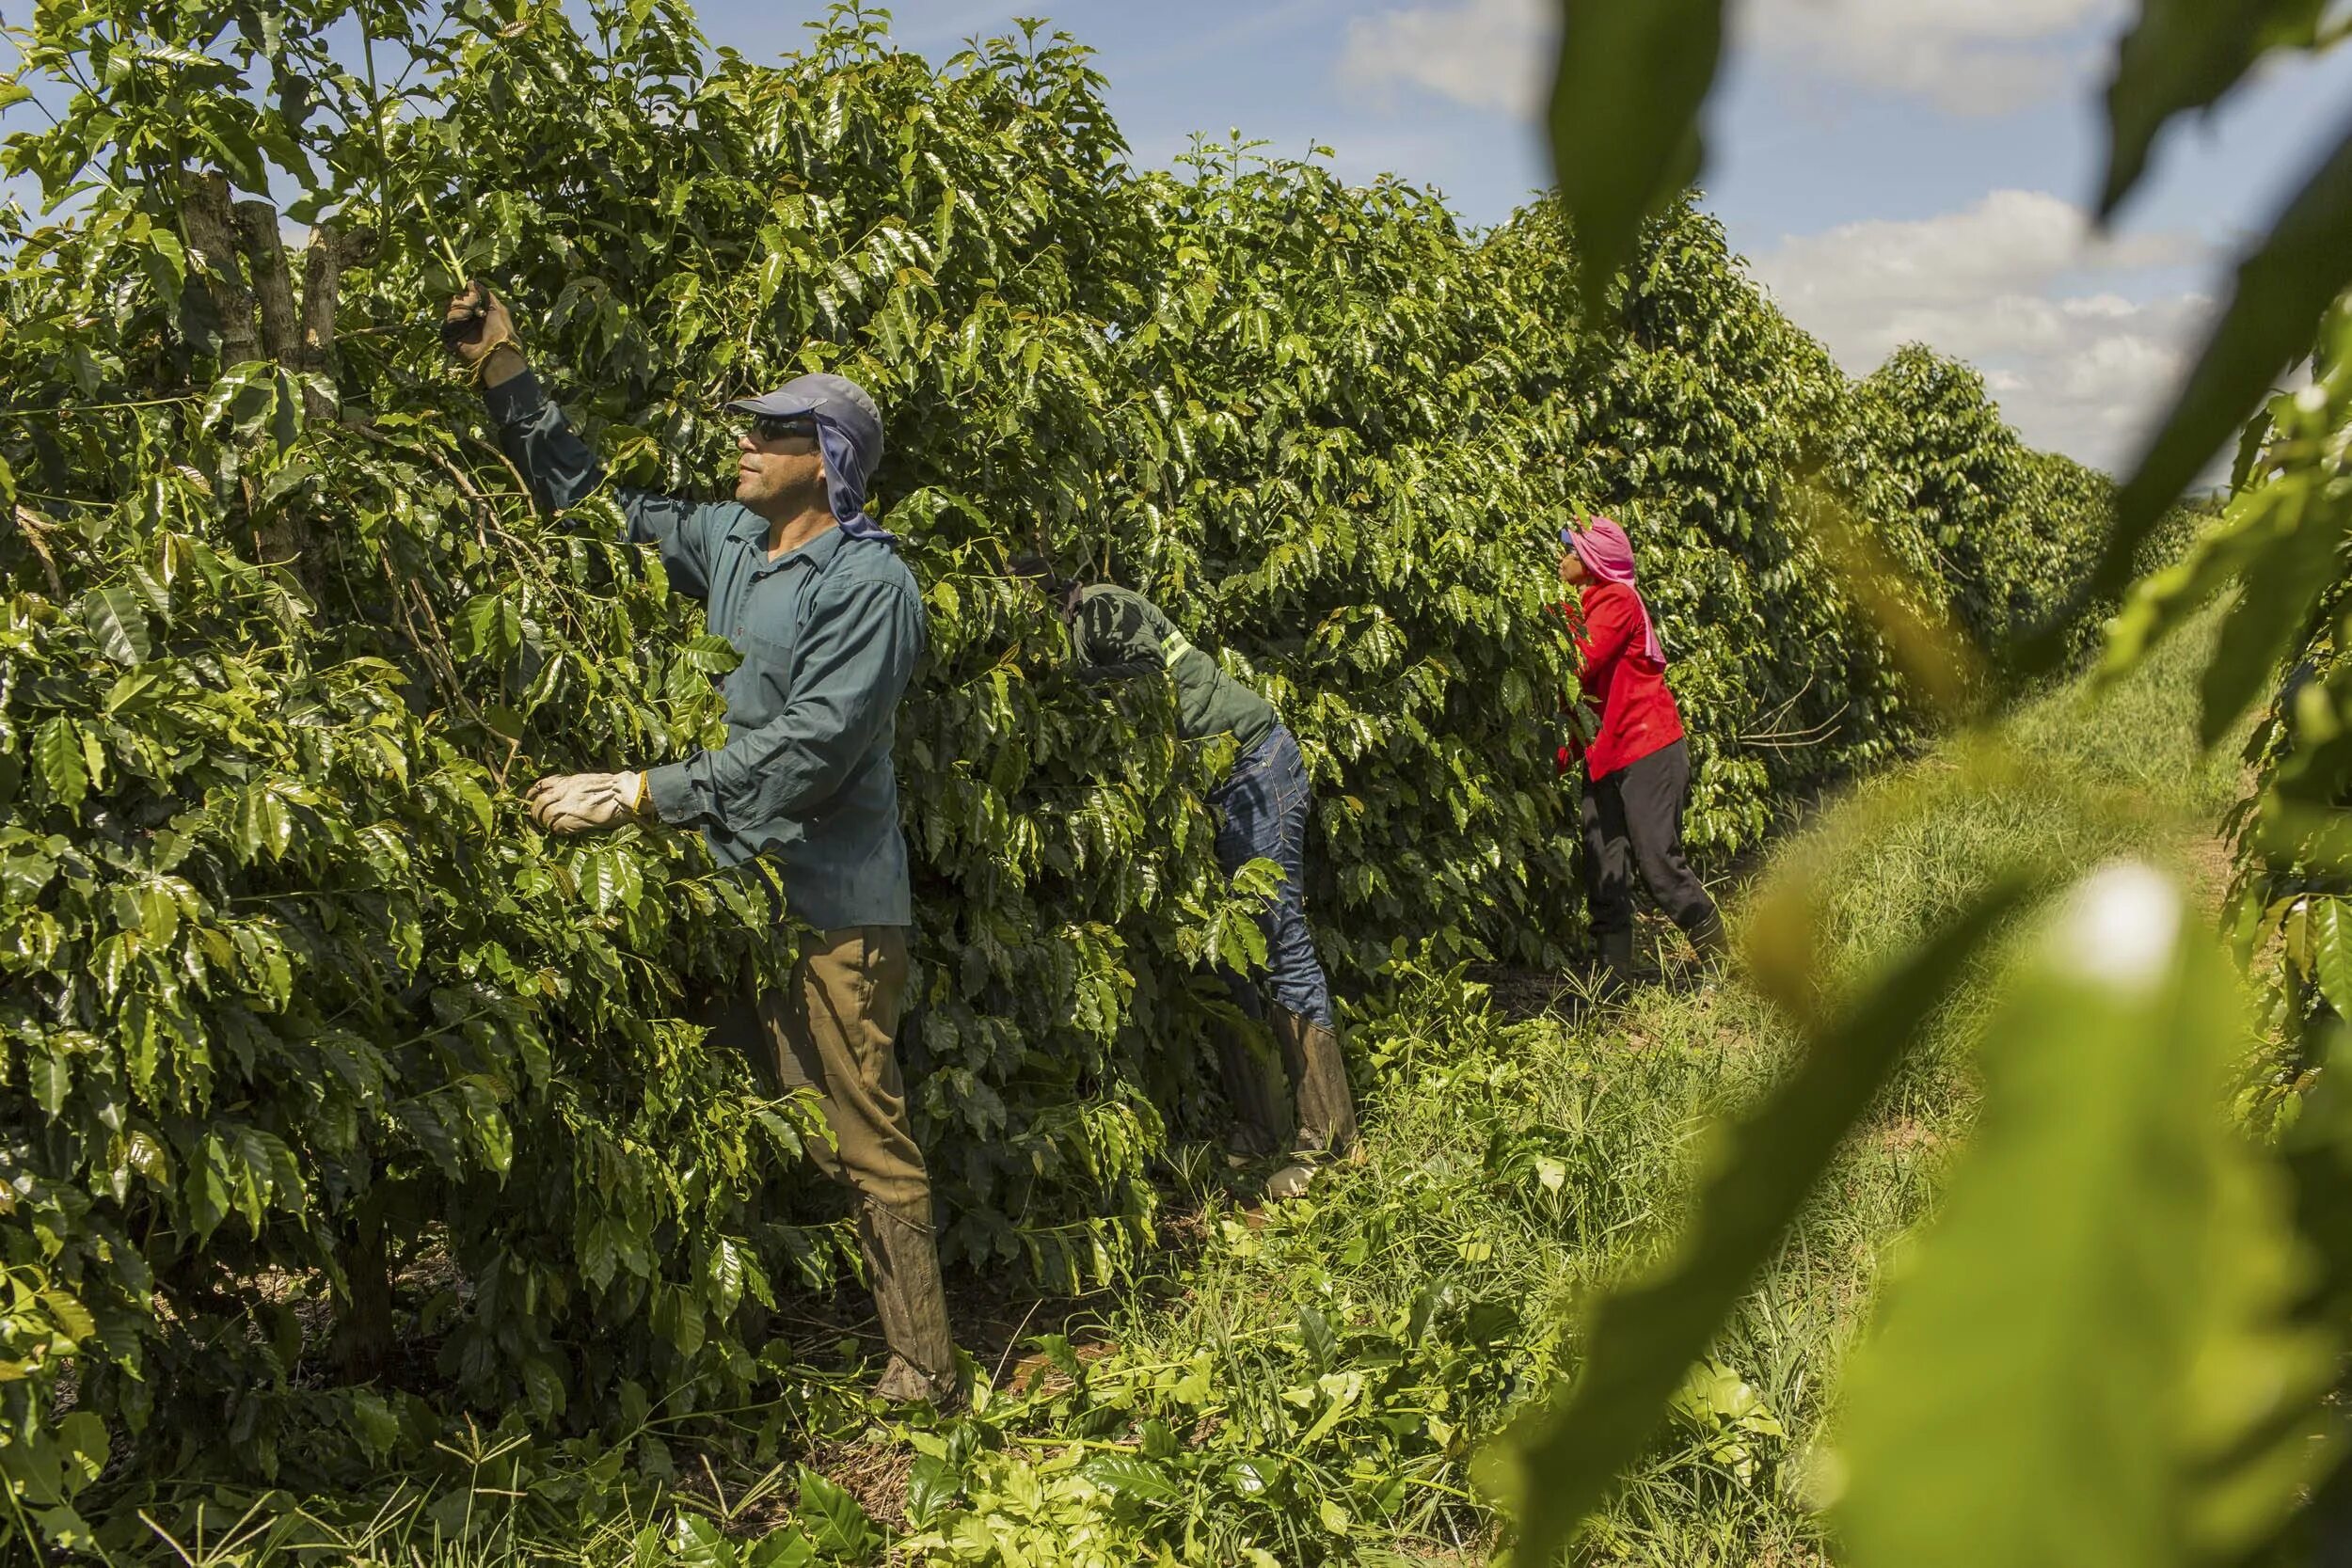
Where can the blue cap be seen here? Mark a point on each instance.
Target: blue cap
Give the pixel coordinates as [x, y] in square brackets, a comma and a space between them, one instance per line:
[849, 433]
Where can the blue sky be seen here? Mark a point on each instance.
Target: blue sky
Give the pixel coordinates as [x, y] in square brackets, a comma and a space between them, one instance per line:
[1893, 169]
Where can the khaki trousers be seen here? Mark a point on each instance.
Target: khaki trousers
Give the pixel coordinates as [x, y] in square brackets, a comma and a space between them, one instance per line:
[834, 1028]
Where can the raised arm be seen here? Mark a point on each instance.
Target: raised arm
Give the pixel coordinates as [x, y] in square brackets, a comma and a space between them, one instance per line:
[857, 651]
[561, 468]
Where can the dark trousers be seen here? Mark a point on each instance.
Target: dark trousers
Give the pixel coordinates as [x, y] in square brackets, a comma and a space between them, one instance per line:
[1262, 810]
[1633, 818]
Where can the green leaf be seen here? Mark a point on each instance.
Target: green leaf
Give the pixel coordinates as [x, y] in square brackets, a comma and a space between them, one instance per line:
[599, 1256]
[1127, 1475]
[117, 624]
[723, 1277]
[782, 1548]
[264, 824]
[932, 1488]
[543, 1388]
[286, 412]
[2281, 583]
[835, 1523]
[1555, 1462]
[57, 752]
[2251, 442]
[490, 627]
[65, 1529]
[2282, 289]
[424, 1124]
[50, 1081]
[241, 394]
[608, 878]
[2165, 601]
[1634, 77]
[2331, 952]
[2183, 55]
[74, 1321]
[81, 1435]
[2144, 1401]
[372, 1420]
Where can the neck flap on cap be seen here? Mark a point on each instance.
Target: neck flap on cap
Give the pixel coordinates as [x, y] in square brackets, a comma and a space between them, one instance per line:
[845, 483]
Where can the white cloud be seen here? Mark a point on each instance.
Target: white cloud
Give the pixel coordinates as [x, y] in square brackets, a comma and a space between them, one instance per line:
[1488, 54]
[1969, 56]
[2020, 286]
[1966, 57]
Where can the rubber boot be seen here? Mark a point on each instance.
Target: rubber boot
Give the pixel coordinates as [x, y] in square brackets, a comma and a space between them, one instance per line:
[1617, 964]
[902, 1261]
[1712, 942]
[1262, 1121]
[1327, 1108]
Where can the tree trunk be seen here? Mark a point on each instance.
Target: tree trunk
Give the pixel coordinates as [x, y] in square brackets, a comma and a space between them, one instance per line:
[273, 285]
[363, 1322]
[329, 252]
[321, 295]
[212, 233]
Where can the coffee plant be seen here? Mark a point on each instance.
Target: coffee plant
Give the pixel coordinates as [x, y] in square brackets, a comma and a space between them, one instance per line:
[338, 1097]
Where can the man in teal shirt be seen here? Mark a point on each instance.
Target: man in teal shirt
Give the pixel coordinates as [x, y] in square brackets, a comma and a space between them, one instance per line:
[829, 624]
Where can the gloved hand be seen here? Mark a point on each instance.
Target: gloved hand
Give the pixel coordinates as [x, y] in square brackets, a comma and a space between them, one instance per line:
[476, 327]
[578, 802]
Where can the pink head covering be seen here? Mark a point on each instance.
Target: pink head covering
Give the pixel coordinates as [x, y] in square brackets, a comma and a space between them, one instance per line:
[1608, 554]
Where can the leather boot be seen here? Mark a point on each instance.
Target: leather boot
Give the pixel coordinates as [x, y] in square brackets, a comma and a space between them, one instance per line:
[1327, 1108]
[902, 1261]
[1262, 1121]
[1617, 964]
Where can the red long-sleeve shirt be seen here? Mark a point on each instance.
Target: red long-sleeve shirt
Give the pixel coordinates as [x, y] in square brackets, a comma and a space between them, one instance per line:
[1624, 686]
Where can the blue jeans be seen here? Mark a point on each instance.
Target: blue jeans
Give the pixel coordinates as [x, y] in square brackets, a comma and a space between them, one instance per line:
[1262, 810]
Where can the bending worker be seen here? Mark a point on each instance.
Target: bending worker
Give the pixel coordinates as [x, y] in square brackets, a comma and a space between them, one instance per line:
[829, 624]
[1262, 809]
[1638, 766]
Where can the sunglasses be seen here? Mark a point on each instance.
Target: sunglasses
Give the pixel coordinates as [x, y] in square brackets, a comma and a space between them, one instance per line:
[776, 427]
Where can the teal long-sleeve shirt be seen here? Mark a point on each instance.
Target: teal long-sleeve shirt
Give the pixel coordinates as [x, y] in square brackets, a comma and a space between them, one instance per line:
[829, 634]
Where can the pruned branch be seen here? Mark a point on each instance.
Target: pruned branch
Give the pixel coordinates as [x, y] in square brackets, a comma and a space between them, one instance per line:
[264, 252]
[211, 234]
[329, 252]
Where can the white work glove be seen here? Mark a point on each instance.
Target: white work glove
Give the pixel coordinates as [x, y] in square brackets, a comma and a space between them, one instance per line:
[578, 802]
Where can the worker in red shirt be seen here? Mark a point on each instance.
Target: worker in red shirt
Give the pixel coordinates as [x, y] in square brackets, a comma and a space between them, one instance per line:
[1638, 766]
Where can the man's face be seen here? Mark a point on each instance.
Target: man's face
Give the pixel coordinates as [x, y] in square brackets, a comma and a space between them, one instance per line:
[777, 461]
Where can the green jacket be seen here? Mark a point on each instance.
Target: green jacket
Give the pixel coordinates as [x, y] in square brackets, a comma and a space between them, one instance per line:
[829, 634]
[1119, 634]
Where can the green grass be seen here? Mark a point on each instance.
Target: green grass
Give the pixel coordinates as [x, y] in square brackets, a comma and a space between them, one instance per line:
[1309, 1383]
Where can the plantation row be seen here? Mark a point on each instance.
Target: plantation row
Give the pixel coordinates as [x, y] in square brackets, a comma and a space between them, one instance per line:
[335, 1091]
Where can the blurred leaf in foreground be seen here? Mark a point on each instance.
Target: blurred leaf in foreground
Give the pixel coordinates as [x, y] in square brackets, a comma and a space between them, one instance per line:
[2091, 1361]
[1625, 120]
[2183, 55]
[2282, 289]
